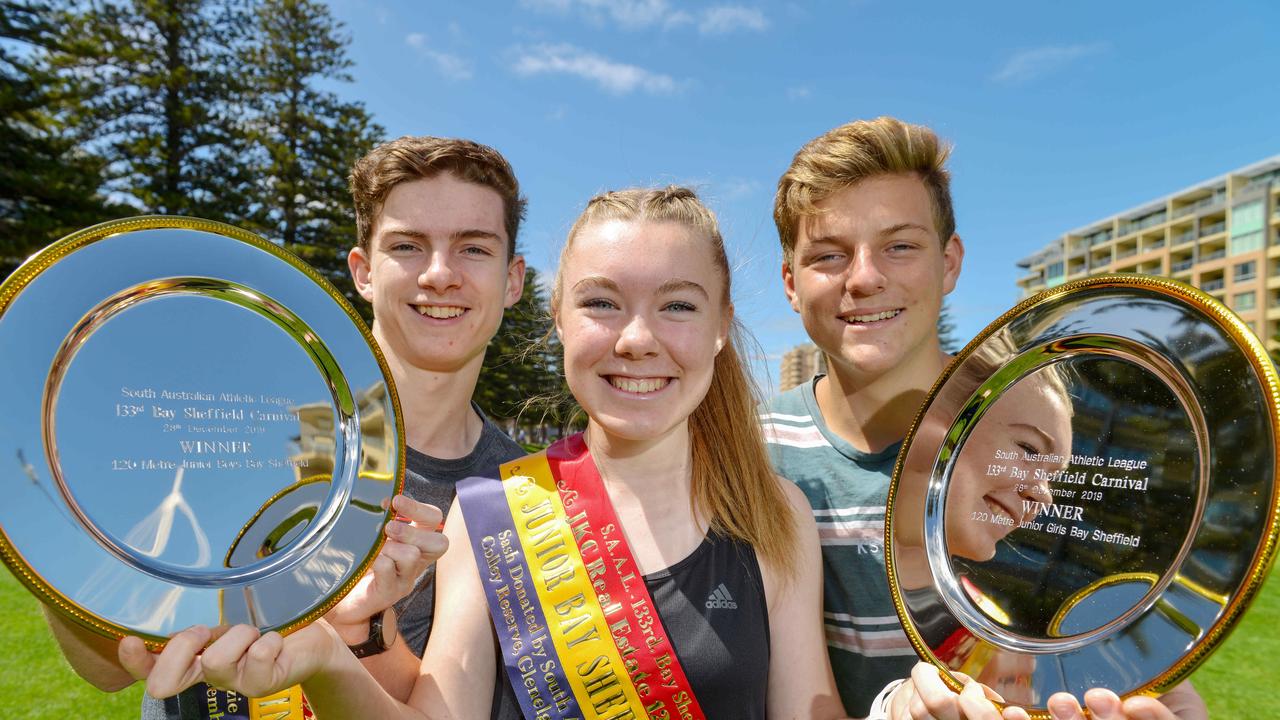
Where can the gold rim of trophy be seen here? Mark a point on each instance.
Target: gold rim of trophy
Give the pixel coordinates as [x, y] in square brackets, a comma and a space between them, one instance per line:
[43, 260]
[1261, 563]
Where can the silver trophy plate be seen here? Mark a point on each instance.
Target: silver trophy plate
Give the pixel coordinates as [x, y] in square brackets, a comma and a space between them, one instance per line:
[1088, 497]
[197, 430]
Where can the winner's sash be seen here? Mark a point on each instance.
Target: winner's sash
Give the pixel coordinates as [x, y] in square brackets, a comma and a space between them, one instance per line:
[215, 704]
[578, 629]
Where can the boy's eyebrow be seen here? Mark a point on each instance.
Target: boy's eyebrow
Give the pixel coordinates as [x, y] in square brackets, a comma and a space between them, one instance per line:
[468, 234]
[829, 239]
[477, 234]
[904, 226]
[406, 232]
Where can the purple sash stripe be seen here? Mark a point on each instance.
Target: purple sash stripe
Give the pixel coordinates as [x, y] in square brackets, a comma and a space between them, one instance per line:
[536, 672]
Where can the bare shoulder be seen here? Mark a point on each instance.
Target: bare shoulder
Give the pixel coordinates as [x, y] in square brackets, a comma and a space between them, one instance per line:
[797, 500]
[782, 583]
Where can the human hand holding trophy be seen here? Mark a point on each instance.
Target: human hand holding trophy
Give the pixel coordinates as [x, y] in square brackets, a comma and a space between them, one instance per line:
[207, 433]
[1088, 497]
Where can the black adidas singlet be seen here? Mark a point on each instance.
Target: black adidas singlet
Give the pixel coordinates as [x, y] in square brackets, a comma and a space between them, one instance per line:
[713, 606]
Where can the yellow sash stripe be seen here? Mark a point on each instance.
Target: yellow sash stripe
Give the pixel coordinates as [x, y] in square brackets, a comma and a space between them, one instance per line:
[577, 621]
[284, 705]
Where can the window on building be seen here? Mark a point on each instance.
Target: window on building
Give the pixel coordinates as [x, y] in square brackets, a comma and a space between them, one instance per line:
[1055, 273]
[1247, 243]
[1245, 271]
[1247, 220]
[1245, 301]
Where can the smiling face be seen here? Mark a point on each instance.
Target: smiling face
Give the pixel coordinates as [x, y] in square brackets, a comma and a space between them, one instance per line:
[1031, 418]
[437, 273]
[641, 315]
[868, 276]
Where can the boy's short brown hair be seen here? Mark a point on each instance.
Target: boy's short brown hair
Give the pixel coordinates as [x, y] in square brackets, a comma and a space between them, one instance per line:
[854, 152]
[417, 157]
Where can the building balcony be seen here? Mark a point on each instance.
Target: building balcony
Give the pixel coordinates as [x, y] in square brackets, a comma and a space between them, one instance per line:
[1219, 253]
[1256, 184]
[1142, 223]
[1154, 246]
[1183, 238]
[1213, 285]
[1181, 266]
[1126, 253]
[1201, 205]
[1213, 229]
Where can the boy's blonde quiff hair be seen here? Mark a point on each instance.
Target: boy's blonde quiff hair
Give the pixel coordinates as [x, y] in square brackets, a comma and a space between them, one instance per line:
[410, 158]
[854, 152]
[734, 487]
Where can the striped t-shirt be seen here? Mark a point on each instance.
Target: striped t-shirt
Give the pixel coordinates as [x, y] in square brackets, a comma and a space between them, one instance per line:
[847, 489]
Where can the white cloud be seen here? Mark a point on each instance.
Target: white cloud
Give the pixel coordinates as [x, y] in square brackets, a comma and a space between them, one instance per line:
[799, 92]
[632, 13]
[640, 14]
[547, 5]
[615, 77]
[1028, 65]
[739, 188]
[679, 18]
[450, 66]
[725, 19]
[627, 13]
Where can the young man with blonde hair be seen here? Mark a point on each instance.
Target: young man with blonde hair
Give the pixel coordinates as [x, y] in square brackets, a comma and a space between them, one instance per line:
[437, 220]
[869, 248]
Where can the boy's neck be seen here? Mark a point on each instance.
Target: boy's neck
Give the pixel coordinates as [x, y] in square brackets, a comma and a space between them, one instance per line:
[436, 408]
[873, 412]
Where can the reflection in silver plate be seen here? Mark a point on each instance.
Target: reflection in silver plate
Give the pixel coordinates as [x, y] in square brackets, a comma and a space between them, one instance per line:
[1088, 498]
[182, 380]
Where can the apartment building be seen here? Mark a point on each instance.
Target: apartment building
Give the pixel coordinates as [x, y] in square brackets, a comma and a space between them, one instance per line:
[800, 364]
[1221, 235]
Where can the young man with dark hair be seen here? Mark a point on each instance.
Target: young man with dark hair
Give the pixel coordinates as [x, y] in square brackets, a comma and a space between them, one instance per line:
[437, 220]
[869, 247]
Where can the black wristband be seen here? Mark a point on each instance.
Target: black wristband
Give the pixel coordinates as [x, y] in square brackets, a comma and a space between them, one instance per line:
[377, 642]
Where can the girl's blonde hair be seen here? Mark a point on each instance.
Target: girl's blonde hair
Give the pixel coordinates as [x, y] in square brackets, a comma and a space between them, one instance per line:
[733, 482]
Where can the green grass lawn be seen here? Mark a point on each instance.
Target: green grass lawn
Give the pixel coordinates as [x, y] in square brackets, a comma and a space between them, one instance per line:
[36, 683]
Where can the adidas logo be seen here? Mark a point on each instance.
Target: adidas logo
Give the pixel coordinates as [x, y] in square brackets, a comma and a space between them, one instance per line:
[720, 598]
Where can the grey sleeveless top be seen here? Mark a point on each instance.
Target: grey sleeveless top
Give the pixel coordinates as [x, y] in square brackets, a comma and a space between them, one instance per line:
[713, 606]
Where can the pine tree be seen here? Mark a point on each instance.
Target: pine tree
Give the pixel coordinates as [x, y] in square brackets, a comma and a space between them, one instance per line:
[947, 331]
[305, 138]
[48, 183]
[522, 382]
[163, 101]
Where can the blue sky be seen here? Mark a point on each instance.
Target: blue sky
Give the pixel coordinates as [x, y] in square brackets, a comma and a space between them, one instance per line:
[1060, 113]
